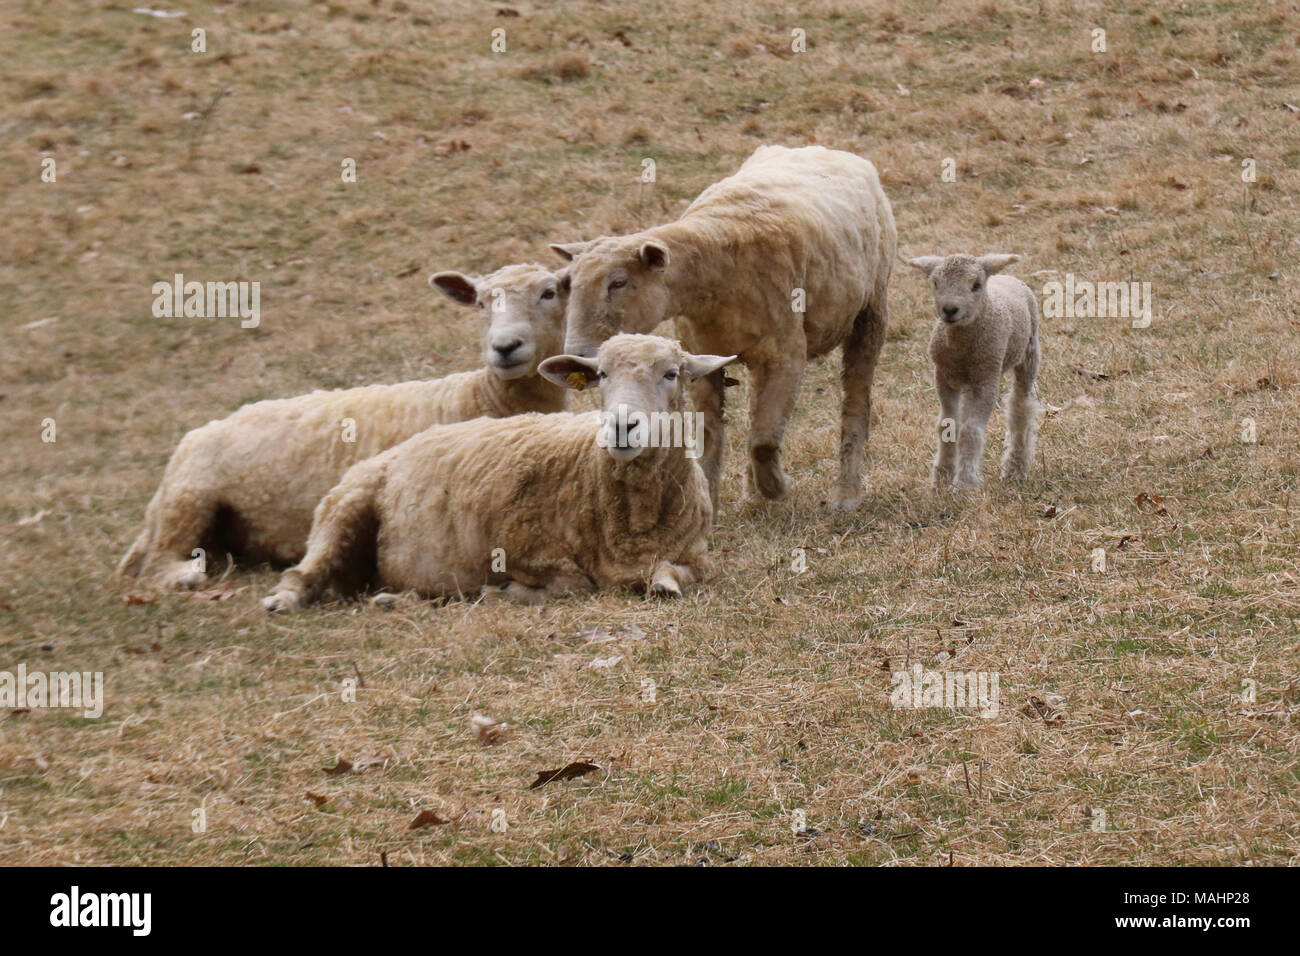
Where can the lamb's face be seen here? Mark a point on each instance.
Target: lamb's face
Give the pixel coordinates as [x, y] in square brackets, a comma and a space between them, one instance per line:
[961, 284]
[642, 381]
[618, 285]
[959, 290]
[521, 315]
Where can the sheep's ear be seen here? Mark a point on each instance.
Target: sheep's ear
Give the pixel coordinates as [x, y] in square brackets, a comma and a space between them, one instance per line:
[568, 251]
[653, 255]
[455, 286]
[569, 371]
[996, 261]
[700, 365]
[564, 281]
[926, 264]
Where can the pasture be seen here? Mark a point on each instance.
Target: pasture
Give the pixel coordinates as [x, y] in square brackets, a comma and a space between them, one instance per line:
[1148, 705]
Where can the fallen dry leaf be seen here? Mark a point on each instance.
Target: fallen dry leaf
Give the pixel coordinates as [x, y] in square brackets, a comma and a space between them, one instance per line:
[428, 818]
[575, 769]
[316, 798]
[487, 730]
[343, 766]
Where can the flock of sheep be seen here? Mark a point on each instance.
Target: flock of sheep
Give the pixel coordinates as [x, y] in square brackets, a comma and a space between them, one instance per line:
[482, 482]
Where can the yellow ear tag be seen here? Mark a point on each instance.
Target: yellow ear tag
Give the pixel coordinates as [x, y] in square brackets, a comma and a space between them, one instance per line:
[577, 381]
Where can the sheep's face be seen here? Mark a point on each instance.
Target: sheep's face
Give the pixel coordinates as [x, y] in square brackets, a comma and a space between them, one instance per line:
[961, 284]
[619, 285]
[521, 314]
[642, 381]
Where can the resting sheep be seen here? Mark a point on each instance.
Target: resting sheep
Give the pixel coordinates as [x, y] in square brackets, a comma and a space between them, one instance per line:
[986, 324]
[780, 263]
[246, 485]
[528, 506]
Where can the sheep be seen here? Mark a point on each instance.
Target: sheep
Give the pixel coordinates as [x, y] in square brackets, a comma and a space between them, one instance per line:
[528, 507]
[247, 484]
[780, 263]
[986, 323]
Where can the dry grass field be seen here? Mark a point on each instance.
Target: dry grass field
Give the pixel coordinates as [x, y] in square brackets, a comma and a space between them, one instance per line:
[1126, 732]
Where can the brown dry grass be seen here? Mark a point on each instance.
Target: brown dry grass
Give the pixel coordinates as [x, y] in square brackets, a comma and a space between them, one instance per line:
[772, 687]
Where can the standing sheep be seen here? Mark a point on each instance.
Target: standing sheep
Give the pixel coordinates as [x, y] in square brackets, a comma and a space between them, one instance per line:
[986, 324]
[779, 263]
[533, 505]
[247, 484]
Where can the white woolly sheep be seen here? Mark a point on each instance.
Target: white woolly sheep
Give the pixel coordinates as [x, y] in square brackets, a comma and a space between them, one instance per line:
[986, 324]
[247, 485]
[780, 263]
[529, 506]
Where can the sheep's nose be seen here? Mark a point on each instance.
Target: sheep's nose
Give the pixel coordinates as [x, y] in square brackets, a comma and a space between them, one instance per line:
[949, 311]
[505, 348]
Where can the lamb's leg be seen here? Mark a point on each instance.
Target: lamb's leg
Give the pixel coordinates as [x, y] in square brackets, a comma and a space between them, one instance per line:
[946, 453]
[708, 394]
[1022, 417]
[861, 350]
[976, 408]
[772, 393]
[343, 519]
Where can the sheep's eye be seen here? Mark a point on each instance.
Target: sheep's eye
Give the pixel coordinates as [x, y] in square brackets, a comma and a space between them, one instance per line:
[670, 375]
[601, 376]
[617, 284]
[548, 294]
[975, 287]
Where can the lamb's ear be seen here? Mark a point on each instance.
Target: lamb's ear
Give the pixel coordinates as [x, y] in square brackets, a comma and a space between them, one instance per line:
[653, 255]
[564, 281]
[996, 261]
[700, 365]
[926, 264]
[568, 251]
[569, 371]
[456, 286]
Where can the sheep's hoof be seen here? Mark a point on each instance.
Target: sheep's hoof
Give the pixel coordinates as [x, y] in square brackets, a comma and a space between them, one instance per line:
[281, 601]
[665, 588]
[766, 473]
[385, 601]
[967, 484]
[183, 577]
[844, 501]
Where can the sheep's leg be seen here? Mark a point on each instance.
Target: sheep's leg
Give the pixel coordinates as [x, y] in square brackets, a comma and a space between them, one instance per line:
[976, 408]
[513, 592]
[1022, 417]
[771, 401]
[344, 524]
[861, 350]
[946, 453]
[175, 523]
[708, 394]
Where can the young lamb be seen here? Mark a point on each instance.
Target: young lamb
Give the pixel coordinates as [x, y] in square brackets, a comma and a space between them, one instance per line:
[246, 485]
[780, 263]
[986, 324]
[529, 506]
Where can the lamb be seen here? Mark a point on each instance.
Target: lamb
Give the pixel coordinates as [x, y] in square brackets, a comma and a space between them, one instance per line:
[531, 506]
[780, 263]
[986, 324]
[246, 485]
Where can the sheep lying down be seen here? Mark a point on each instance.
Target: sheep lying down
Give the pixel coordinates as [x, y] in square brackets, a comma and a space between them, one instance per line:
[247, 485]
[528, 506]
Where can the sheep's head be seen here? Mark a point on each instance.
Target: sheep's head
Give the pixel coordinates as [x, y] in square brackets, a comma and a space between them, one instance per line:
[521, 314]
[642, 381]
[961, 283]
[619, 285]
